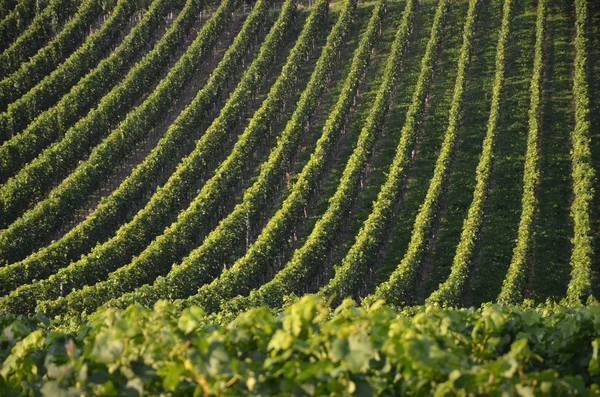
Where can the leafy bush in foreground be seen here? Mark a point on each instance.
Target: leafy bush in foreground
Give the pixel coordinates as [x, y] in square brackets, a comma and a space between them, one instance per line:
[308, 350]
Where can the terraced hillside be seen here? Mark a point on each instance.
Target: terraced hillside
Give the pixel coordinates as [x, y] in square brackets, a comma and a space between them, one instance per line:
[234, 155]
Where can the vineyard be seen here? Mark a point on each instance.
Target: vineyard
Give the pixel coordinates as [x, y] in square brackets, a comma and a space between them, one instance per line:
[201, 166]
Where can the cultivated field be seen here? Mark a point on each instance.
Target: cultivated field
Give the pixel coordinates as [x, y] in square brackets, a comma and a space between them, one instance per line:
[238, 155]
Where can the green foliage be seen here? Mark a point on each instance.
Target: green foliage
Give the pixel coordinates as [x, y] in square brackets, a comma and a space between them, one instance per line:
[449, 292]
[15, 20]
[104, 155]
[355, 265]
[42, 28]
[75, 31]
[308, 350]
[247, 272]
[185, 279]
[183, 233]
[126, 199]
[36, 119]
[295, 273]
[7, 6]
[37, 177]
[583, 173]
[220, 236]
[514, 282]
[308, 258]
[399, 288]
[39, 83]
